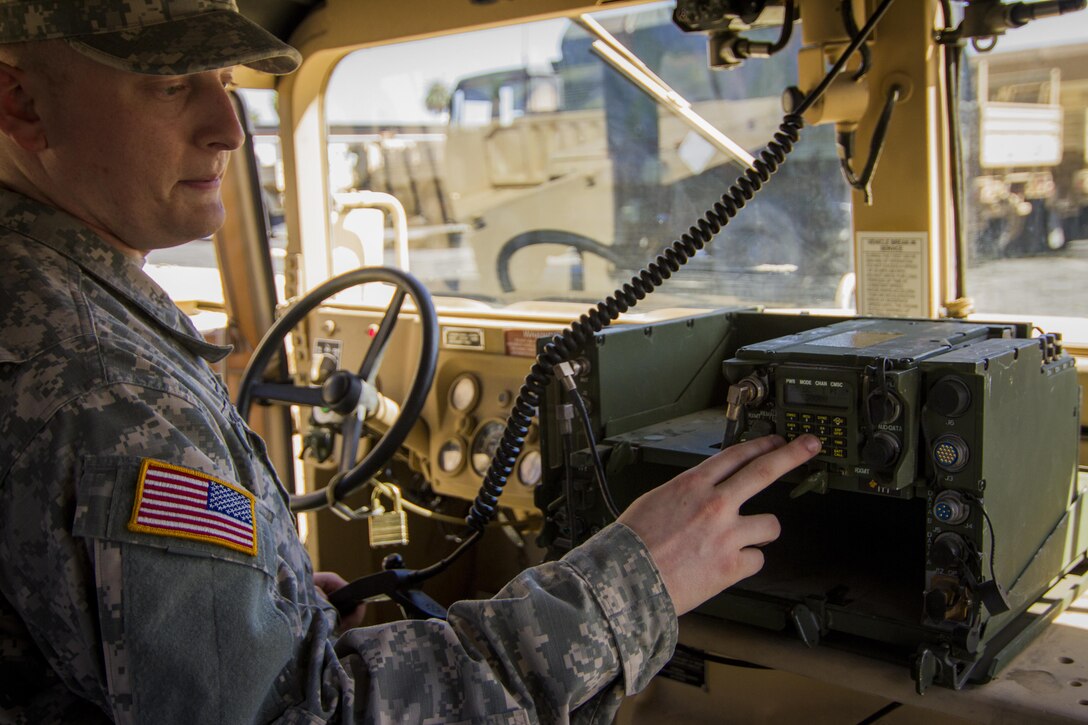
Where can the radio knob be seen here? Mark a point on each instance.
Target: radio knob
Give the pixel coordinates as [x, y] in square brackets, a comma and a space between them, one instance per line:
[950, 397]
[881, 451]
[884, 407]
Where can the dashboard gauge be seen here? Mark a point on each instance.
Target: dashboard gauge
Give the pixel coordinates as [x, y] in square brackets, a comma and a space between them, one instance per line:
[451, 456]
[530, 469]
[464, 392]
[484, 445]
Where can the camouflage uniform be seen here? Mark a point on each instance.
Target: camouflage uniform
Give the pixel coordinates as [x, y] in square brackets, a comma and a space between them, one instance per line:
[159, 37]
[99, 370]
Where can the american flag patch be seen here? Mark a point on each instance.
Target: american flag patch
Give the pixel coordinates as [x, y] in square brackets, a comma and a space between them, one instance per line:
[188, 504]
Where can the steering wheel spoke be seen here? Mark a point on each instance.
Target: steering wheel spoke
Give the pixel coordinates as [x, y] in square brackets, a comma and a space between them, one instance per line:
[368, 371]
[351, 430]
[287, 393]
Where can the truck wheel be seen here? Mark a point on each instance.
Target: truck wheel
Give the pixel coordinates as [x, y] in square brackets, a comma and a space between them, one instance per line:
[1055, 238]
[1075, 226]
[1042, 232]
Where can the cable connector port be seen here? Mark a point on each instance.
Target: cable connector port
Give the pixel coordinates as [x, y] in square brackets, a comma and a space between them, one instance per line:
[566, 371]
[748, 393]
[564, 414]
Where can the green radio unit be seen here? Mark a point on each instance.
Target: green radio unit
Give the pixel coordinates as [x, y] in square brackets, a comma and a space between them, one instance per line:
[944, 504]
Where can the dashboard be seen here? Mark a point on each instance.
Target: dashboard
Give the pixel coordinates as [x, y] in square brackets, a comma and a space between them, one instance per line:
[481, 365]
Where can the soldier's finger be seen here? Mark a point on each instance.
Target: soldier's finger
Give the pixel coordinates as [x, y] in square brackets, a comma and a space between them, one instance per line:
[758, 530]
[761, 472]
[722, 465]
[748, 562]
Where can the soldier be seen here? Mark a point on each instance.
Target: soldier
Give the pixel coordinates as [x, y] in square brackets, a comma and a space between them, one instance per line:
[149, 568]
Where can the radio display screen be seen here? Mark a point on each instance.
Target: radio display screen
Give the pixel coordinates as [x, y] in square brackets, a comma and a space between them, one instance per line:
[817, 393]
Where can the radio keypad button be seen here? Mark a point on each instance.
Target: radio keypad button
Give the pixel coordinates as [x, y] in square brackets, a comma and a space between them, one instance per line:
[829, 429]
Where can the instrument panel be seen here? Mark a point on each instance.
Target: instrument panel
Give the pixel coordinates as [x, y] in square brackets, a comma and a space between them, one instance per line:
[481, 365]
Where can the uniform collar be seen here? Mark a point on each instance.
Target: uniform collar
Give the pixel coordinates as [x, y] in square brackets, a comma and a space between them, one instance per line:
[124, 275]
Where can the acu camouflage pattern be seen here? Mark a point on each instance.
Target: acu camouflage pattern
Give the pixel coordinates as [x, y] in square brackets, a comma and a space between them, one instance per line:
[161, 37]
[99, 369]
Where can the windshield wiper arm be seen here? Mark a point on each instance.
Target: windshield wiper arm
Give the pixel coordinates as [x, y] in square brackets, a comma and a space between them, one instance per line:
[617, 55]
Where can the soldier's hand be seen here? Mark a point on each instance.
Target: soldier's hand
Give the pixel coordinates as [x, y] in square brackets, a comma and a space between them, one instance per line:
[328, 582]
[692, 525]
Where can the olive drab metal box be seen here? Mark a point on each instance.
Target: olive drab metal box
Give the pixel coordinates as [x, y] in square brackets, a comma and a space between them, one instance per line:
[945, 502]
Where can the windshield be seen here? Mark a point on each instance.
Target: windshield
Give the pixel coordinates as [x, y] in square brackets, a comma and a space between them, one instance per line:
[1024, 121]
[528, 168]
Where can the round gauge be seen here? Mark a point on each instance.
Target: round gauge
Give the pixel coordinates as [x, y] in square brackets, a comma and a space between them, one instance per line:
[464, 392]
[529, 468]
[451, 456]
[484, 445]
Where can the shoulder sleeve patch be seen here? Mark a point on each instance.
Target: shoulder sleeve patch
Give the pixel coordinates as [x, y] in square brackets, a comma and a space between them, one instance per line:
[188, 504]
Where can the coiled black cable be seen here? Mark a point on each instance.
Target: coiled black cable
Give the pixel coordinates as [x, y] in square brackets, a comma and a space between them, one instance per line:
[567, 344]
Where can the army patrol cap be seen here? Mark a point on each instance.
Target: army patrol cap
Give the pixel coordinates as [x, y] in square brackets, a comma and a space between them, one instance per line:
[159, 37]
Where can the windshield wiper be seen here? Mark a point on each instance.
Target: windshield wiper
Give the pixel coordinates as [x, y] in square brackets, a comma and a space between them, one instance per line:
[617, 55]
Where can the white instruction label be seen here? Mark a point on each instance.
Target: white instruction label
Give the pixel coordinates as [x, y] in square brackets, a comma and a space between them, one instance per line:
[464, 338]
[893, 279]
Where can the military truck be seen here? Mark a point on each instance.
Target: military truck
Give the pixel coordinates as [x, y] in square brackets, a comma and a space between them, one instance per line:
[1031, 188]
[576, 134]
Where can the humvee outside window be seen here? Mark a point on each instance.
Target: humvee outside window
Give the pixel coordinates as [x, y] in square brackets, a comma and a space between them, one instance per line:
[529, 169]
[1024, 126]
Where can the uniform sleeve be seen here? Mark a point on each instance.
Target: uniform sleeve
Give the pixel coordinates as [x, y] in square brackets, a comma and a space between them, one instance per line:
[571, 636]
[146, 628]
[161, 629]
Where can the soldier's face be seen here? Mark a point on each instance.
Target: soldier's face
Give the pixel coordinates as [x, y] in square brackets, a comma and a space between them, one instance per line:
[140, 157]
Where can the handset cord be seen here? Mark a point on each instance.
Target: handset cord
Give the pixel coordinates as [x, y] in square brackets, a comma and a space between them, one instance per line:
[598, 466]
[565, 346]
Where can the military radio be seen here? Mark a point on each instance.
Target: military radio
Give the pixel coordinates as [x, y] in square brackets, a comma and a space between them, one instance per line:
[943, 505]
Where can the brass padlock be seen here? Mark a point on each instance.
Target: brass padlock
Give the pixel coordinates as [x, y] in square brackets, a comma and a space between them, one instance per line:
[387, 527]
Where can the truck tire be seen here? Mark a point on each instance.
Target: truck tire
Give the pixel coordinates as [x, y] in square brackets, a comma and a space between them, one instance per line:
[1042, 233]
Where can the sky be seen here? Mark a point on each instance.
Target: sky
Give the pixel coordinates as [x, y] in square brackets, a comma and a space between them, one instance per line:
[446, 59]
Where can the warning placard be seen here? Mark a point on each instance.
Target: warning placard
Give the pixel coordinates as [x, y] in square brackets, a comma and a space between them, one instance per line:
[522, 343]
[893, 279]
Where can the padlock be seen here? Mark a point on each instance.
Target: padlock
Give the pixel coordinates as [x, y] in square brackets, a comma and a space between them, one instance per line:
[387, 528]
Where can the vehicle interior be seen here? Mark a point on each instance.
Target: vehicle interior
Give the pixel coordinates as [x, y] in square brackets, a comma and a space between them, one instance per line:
[706, 217]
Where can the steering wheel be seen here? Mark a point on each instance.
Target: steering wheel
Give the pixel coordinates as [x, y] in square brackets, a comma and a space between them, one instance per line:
[549, 236]
[350, 395]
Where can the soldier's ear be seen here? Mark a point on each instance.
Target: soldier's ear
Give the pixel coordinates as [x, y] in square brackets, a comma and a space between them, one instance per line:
[19, 119]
